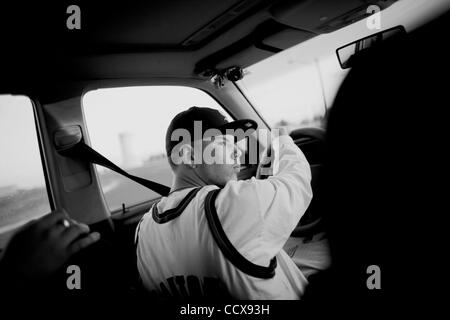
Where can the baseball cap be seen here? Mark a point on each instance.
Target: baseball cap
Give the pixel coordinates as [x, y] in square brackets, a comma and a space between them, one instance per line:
[198, 120]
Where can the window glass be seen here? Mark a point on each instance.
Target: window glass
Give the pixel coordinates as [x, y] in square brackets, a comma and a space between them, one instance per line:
[291, 92]
[23, 194]
[128, 126]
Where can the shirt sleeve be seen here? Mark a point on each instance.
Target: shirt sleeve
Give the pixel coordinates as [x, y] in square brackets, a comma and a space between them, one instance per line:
[259, 215]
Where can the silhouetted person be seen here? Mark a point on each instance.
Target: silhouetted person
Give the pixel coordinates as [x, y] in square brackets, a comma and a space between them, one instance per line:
[386, 145]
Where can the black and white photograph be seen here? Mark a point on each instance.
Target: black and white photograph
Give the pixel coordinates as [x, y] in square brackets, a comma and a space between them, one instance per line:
[232, 159]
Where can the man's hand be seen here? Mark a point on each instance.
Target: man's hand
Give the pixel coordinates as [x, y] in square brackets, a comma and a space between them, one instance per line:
[43, 246]
[268, 165]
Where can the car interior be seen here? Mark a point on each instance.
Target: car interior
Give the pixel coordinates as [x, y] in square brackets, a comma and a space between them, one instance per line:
[205, 45]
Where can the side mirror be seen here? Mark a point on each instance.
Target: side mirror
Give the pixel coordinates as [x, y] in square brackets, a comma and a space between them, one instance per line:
[346, 54]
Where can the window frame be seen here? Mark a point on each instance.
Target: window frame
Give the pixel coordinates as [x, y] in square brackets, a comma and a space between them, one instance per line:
[44, 162]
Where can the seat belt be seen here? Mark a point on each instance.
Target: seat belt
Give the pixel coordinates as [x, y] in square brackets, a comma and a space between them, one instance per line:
[71, 145]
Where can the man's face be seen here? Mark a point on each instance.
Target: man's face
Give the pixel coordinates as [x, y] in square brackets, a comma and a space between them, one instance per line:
[221, 160]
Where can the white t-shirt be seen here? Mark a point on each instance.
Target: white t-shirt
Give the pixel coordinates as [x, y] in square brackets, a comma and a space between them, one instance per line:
[181, 255]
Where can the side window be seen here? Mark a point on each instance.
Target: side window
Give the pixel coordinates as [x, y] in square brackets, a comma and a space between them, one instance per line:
[128, 126]
[23, 194]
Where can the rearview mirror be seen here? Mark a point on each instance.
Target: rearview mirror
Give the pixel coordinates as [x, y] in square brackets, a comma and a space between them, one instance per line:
[347, 53]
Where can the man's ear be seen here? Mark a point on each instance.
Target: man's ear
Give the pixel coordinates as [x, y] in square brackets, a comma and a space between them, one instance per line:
[187, 155]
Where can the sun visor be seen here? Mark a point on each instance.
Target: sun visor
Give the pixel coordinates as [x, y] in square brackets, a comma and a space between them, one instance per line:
[267, 39]
[286, 38]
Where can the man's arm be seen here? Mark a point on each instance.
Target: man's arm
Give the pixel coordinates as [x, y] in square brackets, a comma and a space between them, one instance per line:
[259, 215]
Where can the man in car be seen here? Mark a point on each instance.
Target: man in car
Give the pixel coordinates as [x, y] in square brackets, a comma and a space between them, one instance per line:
[178, 255]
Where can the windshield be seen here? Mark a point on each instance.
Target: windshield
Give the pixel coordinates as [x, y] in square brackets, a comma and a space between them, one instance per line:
[295, 87]
[290, 92]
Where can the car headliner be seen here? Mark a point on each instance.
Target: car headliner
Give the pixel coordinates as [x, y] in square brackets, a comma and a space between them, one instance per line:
[171, 38]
